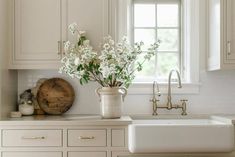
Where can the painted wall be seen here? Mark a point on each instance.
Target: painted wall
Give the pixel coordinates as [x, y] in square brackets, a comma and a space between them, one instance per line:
[217, 90]
[8, 79]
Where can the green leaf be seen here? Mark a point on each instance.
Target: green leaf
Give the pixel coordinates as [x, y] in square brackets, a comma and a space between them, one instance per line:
[81, 40]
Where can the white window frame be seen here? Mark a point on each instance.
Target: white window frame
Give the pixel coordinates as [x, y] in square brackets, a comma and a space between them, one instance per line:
[119, 25]
[156, 28]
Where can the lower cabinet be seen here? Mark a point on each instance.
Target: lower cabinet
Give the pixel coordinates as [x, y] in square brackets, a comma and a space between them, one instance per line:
[87, 138]
[31, 138]
[63, 141]
[119, 154]
[32, 154]
[87, 154]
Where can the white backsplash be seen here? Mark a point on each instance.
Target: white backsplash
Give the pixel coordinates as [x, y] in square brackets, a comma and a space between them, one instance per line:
[217, 94]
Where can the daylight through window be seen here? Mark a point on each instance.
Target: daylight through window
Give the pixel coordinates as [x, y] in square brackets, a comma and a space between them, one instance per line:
[158, 20]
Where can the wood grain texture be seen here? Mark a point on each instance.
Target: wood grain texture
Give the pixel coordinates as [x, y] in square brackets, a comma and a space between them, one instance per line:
[55, 96]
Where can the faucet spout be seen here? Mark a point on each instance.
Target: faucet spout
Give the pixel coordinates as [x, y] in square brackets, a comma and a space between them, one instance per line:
[169, 103]
[155, 83]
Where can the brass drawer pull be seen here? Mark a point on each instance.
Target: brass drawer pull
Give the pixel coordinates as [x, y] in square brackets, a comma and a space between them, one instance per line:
[86, 137]
[34, 138]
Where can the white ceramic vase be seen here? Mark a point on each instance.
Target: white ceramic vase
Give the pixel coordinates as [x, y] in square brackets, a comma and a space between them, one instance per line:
[111, 100]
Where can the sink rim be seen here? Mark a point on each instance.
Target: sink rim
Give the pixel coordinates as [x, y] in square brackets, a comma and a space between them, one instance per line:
[168, 116]
[173, 119]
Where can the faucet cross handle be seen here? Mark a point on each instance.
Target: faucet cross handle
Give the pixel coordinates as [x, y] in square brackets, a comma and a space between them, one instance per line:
[184, 113]
[155, 105]
[154, 100]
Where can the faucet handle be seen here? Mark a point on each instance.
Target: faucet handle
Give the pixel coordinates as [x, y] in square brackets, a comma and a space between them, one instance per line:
[184, 113]
[155, 105]
[154, 100]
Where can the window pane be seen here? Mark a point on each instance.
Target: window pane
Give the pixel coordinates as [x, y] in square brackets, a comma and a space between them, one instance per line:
[145, 35]
[144, 15]
[167, 15]
[148, 67]
[169, 39]
[165, 63]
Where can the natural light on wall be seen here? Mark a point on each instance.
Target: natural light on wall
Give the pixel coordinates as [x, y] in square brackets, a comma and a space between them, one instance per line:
[158, 20]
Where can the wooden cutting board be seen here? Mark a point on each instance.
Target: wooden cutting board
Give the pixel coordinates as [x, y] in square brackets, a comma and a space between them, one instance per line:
[55, 96]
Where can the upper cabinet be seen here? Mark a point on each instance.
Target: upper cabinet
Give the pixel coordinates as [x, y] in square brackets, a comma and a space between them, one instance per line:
[221, 34]
[91, 16]
[230, 38]
[38, 34]
[40, 29]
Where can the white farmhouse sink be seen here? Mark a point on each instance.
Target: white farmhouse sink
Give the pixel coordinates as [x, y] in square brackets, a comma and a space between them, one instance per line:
[190, 134]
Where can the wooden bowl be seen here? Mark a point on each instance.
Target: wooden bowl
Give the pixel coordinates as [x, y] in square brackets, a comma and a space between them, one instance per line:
[55, 96]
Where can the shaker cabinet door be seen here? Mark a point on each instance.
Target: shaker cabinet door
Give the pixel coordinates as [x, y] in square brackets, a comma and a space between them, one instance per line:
[221, 34]
[230, 53]
[87, 154]
[37, 32]
[91, 16]
[30, 154]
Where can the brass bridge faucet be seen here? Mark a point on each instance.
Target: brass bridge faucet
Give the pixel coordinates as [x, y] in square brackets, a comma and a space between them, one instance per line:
[169, 104]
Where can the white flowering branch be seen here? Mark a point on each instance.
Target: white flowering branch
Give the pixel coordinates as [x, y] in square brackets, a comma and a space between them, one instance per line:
[114, 66]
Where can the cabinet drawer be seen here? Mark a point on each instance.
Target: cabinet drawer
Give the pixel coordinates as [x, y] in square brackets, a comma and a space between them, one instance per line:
[86, 138]
[30, 154]
[31, 138]
[87, 154]
[118, 137]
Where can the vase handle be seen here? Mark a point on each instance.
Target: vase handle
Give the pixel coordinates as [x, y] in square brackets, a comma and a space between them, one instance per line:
[97, 91]
[124, 90]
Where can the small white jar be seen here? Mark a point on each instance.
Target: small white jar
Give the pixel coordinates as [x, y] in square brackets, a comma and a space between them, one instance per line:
[26, 109]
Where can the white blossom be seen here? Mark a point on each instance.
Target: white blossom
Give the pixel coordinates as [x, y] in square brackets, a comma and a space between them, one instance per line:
[82, 33]
[106, 46]
[73, 28]
[114, 64]
[77, 61]
[67, 46]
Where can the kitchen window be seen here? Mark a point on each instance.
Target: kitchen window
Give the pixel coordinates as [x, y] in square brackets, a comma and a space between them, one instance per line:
[154, 20]
[179, 24]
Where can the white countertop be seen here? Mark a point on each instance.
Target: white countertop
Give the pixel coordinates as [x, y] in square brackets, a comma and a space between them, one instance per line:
[87, 119]
[65, 120]
[230, 117]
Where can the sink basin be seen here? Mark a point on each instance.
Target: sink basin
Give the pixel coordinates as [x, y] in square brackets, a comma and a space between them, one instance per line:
[173, 134]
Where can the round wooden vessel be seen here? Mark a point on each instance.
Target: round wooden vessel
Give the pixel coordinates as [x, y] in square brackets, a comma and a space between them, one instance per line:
[55, 96]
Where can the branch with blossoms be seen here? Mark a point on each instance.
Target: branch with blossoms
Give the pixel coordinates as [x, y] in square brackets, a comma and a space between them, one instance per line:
[114, 66]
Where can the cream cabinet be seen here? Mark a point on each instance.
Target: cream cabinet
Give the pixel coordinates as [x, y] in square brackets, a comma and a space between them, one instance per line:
[63, 140]
[87, 138]
[230, 34]
[91, 16]
[30, 154]
[120, 154]
[221, 34]
[40, 29]
[38, 34]
[31, 138]
[87, 154]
